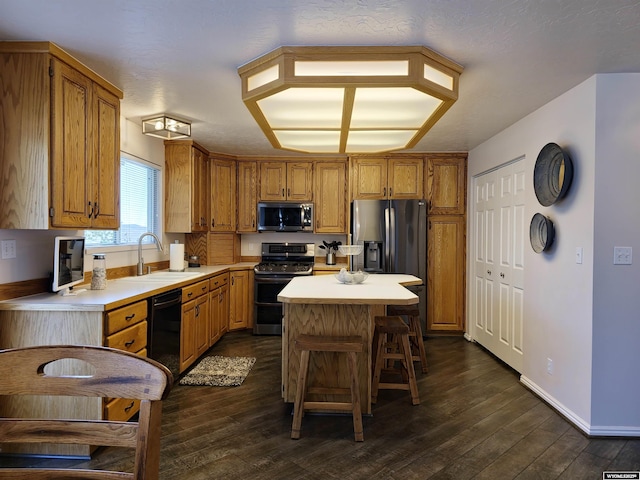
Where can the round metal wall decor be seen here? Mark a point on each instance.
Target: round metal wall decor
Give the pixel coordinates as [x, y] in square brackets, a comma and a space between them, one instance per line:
[552, 174]
[541, 233]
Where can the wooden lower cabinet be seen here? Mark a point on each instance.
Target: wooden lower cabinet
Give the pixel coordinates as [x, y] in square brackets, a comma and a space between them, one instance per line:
[240, 299]
[218, 307]
[446, 274]
[194, 329]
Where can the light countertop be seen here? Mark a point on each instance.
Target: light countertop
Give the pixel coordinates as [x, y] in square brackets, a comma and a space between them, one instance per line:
[382, 289]
[119, 291]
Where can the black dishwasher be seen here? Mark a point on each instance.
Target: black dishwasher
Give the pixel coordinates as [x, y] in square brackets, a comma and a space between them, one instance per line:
[163, 337]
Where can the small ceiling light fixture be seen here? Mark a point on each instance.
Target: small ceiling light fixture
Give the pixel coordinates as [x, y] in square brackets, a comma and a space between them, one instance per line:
[348, 99]
[164, 126]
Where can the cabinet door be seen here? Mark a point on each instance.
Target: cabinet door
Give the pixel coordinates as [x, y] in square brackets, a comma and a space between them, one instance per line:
[239, 302]
[330, 180]
[178, 187]
[446, 184]
[188, 335]
[299, 181]
[106, 164]
[445, 273]
[369, 178]
[247, 196]
[223, 309]
[200, 189]
[406, 178]
[273, 181]
[71, 148]
[223, 195]
[202, 324]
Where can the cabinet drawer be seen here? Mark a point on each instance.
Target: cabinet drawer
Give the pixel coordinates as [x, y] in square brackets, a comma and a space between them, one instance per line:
[195, 290]
[218, 281]
[131, 339]
[125, 317]
[121, 409]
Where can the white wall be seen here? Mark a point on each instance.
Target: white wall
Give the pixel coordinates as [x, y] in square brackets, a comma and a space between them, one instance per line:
[616, 310]
[558, 292]
[584, 317]
[34, 248]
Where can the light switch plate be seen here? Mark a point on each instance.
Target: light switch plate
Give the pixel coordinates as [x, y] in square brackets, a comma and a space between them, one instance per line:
[8, 249]
[622, 255]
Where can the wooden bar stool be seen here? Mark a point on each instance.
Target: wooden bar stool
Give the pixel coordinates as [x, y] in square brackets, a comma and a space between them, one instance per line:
[323, 343]
[391, 342]
[412, 312]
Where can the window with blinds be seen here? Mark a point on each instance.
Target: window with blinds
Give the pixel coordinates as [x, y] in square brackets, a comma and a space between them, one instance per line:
[139, 212]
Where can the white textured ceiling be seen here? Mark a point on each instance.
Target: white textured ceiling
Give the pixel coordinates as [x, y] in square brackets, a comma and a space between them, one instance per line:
[181, 57]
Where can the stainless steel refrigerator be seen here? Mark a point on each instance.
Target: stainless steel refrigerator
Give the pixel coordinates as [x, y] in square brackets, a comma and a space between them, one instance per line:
[394, 236]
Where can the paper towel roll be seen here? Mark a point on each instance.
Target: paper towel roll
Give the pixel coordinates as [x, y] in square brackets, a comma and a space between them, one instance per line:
[176, 257]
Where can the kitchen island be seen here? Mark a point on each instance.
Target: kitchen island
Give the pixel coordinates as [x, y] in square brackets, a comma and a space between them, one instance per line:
[321, 305]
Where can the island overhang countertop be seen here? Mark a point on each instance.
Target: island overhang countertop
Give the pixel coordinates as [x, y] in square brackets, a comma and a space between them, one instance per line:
[377, 289]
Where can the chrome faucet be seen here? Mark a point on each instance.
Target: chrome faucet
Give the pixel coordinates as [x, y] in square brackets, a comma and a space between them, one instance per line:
[140, 259]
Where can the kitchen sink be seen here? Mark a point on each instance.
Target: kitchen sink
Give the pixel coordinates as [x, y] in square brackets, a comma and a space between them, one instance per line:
[163, 276]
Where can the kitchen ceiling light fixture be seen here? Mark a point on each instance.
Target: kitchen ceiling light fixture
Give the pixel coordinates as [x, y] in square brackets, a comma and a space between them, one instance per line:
[164, 126]
[348, 99]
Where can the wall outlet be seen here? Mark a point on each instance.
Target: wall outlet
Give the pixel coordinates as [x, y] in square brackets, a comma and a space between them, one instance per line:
[549, 366]
[622, 255]
[8, 249]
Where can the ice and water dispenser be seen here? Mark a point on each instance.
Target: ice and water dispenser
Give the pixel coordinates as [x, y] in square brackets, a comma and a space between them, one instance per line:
[373, 256]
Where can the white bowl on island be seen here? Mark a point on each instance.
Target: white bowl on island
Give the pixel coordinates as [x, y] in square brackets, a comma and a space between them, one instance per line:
[351, 278]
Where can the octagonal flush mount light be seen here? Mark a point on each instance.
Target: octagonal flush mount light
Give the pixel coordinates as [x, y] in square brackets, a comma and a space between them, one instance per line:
[348, 99]
[164, 126]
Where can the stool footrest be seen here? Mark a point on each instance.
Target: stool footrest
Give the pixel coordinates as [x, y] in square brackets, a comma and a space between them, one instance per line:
[330, 406]
[328, 391]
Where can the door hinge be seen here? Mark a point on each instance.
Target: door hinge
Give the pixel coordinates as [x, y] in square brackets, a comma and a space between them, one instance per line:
[51, 212]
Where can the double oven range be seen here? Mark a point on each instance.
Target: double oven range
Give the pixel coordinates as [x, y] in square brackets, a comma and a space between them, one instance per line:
[280, 262]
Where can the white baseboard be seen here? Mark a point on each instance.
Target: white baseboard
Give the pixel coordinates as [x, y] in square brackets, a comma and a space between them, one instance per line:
[577, 421]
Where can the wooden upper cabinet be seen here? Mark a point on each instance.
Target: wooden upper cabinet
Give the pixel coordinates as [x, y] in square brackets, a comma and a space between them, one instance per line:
[446, 183]
[106, 167]
[406, 178]
[247, 196]
[223, 195]
[369, 177]
[186, 192]
[60, 152]
[330, 181]
[299, 178]
[387, 178]
[284, 181]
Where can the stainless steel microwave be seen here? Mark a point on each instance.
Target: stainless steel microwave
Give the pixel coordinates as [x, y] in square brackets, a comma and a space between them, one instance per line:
[285, 217]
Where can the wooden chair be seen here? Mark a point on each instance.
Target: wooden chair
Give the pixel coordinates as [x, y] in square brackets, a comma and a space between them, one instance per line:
[323, 343]
[117, 374]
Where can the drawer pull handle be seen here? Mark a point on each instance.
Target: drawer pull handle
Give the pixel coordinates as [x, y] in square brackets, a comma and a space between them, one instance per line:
[129, 343]
[189, 294]
[129, 407]
[204, 288]
[130, 317]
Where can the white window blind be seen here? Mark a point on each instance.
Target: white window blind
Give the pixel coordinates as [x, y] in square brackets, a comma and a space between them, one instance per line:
[138, 205]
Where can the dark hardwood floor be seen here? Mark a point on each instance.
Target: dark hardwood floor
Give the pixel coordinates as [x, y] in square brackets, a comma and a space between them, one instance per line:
[475, 420]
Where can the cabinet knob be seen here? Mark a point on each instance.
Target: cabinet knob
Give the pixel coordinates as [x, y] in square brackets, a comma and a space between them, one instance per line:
[129, 407]
[488, 272]
[130, 317]
[91, 212]
[501, 275]
[213, 222]
[97, 212]
[129, 343]
[384, 192]
[283, 193]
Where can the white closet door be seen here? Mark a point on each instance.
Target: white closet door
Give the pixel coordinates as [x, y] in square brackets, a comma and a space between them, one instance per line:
[498, 242]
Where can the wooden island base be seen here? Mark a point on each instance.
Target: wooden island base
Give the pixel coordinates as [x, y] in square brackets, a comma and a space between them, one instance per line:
[317, 319]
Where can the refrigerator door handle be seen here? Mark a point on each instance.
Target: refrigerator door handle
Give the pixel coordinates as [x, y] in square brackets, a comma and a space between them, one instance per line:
[387, 240]
[392, 240]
